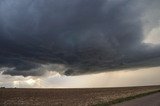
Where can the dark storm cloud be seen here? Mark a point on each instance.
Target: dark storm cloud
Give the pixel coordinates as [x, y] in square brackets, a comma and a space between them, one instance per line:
[83, 35]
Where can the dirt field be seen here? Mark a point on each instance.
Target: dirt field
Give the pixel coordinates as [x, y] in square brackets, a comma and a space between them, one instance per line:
[67, 97]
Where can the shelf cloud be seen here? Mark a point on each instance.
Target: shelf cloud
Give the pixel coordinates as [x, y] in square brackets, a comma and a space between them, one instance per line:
[75, 37]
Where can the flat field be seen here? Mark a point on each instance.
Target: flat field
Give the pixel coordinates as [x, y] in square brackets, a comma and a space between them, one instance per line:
[68, 97]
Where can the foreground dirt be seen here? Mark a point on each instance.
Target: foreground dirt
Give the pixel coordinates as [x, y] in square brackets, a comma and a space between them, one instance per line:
[150, 100]
[67, 97]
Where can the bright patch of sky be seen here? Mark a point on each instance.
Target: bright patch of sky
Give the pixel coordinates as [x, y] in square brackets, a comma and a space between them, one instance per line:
[139, 77]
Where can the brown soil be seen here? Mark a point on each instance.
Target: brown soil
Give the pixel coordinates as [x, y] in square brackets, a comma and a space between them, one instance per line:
[67, 97]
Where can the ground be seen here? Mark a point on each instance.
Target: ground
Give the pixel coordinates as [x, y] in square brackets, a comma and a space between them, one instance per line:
[68, 97]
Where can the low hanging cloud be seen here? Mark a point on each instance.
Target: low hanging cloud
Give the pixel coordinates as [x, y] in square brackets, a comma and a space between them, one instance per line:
[75, 37]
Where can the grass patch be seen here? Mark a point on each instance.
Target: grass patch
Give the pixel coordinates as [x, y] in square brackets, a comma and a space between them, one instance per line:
[125, 99]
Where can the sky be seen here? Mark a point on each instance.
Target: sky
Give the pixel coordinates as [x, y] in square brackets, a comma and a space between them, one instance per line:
[79, 43]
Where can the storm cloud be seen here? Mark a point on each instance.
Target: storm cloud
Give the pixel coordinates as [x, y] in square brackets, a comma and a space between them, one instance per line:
[75, 37]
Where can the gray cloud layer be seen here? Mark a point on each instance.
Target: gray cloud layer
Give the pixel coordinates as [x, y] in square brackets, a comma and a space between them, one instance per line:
[84, 36]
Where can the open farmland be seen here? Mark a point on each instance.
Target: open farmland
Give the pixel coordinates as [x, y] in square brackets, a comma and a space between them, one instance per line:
[68, 97]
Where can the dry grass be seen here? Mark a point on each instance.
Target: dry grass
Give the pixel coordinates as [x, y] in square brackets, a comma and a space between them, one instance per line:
[68, 97]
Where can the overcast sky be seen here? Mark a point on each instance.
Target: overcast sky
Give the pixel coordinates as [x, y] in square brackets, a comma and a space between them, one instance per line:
[77, 39]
